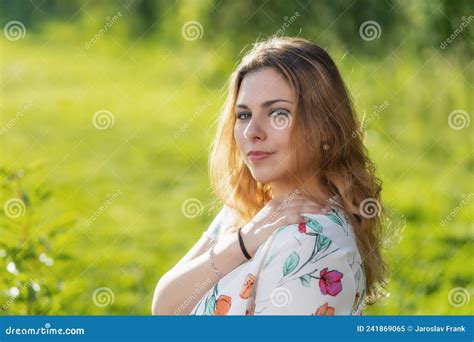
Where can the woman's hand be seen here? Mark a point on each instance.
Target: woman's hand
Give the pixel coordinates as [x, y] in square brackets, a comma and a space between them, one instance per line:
[276, 213]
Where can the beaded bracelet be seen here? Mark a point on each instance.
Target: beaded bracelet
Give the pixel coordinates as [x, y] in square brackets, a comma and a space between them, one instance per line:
[211, 258]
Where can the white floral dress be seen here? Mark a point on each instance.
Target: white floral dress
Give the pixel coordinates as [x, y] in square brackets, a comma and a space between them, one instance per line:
[301, 269]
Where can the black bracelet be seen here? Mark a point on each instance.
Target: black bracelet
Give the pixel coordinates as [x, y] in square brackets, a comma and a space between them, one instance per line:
[242, 247]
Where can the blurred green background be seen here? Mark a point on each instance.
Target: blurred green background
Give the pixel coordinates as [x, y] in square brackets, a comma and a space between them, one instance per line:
[107, 113]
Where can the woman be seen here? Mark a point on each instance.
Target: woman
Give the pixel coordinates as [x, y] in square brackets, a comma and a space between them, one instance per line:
[299, 232]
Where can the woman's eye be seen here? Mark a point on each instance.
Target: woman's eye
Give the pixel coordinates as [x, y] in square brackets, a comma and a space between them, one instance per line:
[280, 112]
[242, 116]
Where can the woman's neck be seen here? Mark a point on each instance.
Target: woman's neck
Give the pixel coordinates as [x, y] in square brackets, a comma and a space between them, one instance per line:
[311, 187]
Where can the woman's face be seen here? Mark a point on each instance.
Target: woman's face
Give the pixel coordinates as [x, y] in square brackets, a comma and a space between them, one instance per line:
[264, 118]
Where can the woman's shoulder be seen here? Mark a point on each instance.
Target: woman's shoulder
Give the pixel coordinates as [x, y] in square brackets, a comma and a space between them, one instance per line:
[327, 243]
[334, 226]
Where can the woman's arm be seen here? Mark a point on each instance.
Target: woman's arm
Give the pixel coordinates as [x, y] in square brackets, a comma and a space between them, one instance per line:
[179, 289]
[204, 243]
[201, 246]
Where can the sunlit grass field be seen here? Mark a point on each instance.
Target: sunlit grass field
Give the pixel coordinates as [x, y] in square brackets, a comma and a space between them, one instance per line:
[104, 206]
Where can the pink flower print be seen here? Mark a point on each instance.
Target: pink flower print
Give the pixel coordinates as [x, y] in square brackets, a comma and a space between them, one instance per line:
[330, 282]
[302, 228]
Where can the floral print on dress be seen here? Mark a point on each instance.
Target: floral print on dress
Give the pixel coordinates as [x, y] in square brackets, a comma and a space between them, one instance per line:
[325, 310]
[246, 290]
[216, 304]
[315, 266]
[330, 282]
[223, 304]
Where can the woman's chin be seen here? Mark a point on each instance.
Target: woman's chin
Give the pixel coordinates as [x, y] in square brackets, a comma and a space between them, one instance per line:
[263, 178]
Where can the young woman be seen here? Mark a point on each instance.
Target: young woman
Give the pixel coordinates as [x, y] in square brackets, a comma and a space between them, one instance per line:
[299, 232]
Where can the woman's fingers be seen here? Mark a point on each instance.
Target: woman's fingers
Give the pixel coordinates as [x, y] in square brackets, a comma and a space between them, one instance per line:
[300, 202]
[295, 214]
[287, 210]
[310, 209]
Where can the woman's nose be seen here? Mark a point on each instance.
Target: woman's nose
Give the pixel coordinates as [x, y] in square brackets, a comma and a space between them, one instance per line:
[254, 130]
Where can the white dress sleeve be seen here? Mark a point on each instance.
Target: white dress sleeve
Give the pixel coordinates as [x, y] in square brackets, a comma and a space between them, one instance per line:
[305, 275]
[213, 230]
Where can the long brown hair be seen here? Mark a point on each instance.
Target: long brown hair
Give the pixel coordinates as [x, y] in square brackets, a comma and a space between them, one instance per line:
[325, 118]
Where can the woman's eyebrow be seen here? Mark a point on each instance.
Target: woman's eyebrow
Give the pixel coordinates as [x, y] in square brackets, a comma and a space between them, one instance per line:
[264, 104]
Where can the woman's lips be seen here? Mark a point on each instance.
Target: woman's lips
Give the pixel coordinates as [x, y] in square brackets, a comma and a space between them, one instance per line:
[260, 156]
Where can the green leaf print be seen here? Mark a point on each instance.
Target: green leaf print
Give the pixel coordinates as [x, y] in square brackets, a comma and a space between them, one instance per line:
[334, 218]
[323, 242]
[291, 263]
[357, 275]
[268, 261]
[210, 305]
[306, 280]
[315, 225]
[216, 229]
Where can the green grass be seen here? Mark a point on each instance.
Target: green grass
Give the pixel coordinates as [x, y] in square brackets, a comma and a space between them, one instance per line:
[155, 91]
